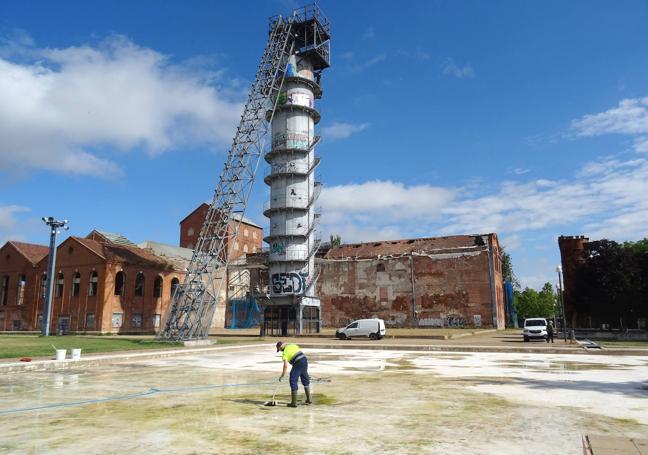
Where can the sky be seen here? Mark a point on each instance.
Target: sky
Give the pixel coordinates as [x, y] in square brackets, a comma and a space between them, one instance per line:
[527, 119]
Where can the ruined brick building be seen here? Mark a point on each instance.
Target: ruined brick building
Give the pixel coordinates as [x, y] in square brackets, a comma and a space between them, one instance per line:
[105, 283]
[453, 281]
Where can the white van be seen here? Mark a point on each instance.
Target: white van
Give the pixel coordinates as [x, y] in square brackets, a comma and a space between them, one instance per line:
[372, 328]
[535, 328]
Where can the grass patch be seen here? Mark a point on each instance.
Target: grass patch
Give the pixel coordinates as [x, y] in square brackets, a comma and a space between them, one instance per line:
[36, 346]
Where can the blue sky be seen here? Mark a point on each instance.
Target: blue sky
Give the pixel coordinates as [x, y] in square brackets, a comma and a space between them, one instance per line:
[438, 117]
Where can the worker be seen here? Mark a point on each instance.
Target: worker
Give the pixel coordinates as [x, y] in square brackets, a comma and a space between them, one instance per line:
[290, 353]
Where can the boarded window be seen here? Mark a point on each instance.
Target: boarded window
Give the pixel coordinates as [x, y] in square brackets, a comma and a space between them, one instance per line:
[90, 321]
[383, 294]
[380, 267]
[117, 319]
[156, 320]
[136, 320]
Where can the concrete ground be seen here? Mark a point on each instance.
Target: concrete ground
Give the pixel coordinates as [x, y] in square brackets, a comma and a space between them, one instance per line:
[385, 401]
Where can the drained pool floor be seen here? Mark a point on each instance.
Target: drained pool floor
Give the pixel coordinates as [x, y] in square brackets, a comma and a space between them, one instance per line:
[365, 402]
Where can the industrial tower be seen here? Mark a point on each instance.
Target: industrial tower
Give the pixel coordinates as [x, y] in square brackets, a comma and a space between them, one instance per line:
[297, 50]
[293, 307]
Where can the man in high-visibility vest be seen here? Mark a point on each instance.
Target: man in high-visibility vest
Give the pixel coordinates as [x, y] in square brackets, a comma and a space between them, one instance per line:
[290, 353]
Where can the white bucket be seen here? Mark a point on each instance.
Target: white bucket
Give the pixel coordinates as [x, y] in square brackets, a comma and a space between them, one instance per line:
[60, 354]
[76, 354]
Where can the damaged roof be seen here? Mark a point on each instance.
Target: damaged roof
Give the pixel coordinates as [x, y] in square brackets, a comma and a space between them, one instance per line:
[132, 255]
[406, 246]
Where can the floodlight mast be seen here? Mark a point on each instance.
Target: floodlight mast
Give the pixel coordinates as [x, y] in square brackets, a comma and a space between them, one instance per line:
[194, 302]
[54, 225]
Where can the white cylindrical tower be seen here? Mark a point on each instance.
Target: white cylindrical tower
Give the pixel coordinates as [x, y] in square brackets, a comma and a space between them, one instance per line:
[293, 192]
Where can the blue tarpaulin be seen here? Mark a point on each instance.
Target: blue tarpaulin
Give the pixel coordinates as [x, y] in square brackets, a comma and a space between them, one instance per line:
[245, 313]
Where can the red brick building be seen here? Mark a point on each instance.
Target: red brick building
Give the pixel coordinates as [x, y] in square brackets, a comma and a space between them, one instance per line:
[19, 286]
[451, 281]
[571, 254]
[250, 238]
[103, 283]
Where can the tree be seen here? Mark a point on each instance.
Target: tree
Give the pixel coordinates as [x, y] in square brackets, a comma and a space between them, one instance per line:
[336, 240]
[533, 304]
[610, 283]
[507, 270]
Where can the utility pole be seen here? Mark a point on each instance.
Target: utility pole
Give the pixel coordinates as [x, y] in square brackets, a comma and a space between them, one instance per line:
[47, 311]
[562, 302]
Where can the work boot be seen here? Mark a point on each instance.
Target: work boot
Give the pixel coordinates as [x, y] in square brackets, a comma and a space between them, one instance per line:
[293, 399]
[308, 396]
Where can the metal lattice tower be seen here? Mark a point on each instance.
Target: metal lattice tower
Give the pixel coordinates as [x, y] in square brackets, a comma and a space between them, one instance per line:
[194, 301]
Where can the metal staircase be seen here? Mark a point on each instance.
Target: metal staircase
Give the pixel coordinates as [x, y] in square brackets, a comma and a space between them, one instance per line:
[194, 302]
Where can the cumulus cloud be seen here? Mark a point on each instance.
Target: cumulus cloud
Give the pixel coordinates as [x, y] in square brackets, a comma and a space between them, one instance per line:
[68, 110]
[342, 130]
[450, 68]
[630, 117]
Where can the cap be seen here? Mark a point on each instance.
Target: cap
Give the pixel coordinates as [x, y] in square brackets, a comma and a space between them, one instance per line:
[279, 343]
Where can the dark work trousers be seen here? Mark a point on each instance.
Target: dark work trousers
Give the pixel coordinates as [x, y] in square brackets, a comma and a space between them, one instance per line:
[550, 337]
[299, 370]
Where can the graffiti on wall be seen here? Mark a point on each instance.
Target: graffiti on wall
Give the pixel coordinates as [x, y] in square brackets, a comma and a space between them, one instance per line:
[277, 248]
[477, 322]
[289, 282]
[455, 320]
[294, 140]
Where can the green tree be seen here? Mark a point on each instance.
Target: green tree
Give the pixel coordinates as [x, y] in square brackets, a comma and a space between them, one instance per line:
[507, 270]
[530, 303]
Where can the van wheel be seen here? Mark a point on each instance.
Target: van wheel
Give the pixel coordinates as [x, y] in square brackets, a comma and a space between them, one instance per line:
[372, 336]
[342, 336]
[526, 338]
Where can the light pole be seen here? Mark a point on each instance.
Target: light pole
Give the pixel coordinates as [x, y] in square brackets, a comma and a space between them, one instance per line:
[562, 302]
[54, 225]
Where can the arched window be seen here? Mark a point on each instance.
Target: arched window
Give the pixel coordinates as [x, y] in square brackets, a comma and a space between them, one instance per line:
[4, 290]
[190, 232]
[94, 281]
[245, 248]
[139, 284]
[43, 286]
[76, 284]
[119, 283]
[59, 285]
[157, 287]
[380, 267]
[20, 291]
[174, 284]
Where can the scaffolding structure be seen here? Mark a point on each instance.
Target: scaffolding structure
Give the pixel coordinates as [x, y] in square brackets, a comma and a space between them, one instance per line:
[194, 302]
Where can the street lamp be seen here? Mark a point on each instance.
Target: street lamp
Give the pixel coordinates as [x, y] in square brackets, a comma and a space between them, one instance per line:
[562, 302]
[54, 225]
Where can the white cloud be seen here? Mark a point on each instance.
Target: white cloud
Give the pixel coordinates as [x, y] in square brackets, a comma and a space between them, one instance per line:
[342, 130]
[450, 68]
[9, 222]
[630, 117]
[65, 105]
[364, 65]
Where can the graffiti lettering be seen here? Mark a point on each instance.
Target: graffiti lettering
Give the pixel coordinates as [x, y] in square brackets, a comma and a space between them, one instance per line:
[277, 247]
[288, 283]
[455, 320]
